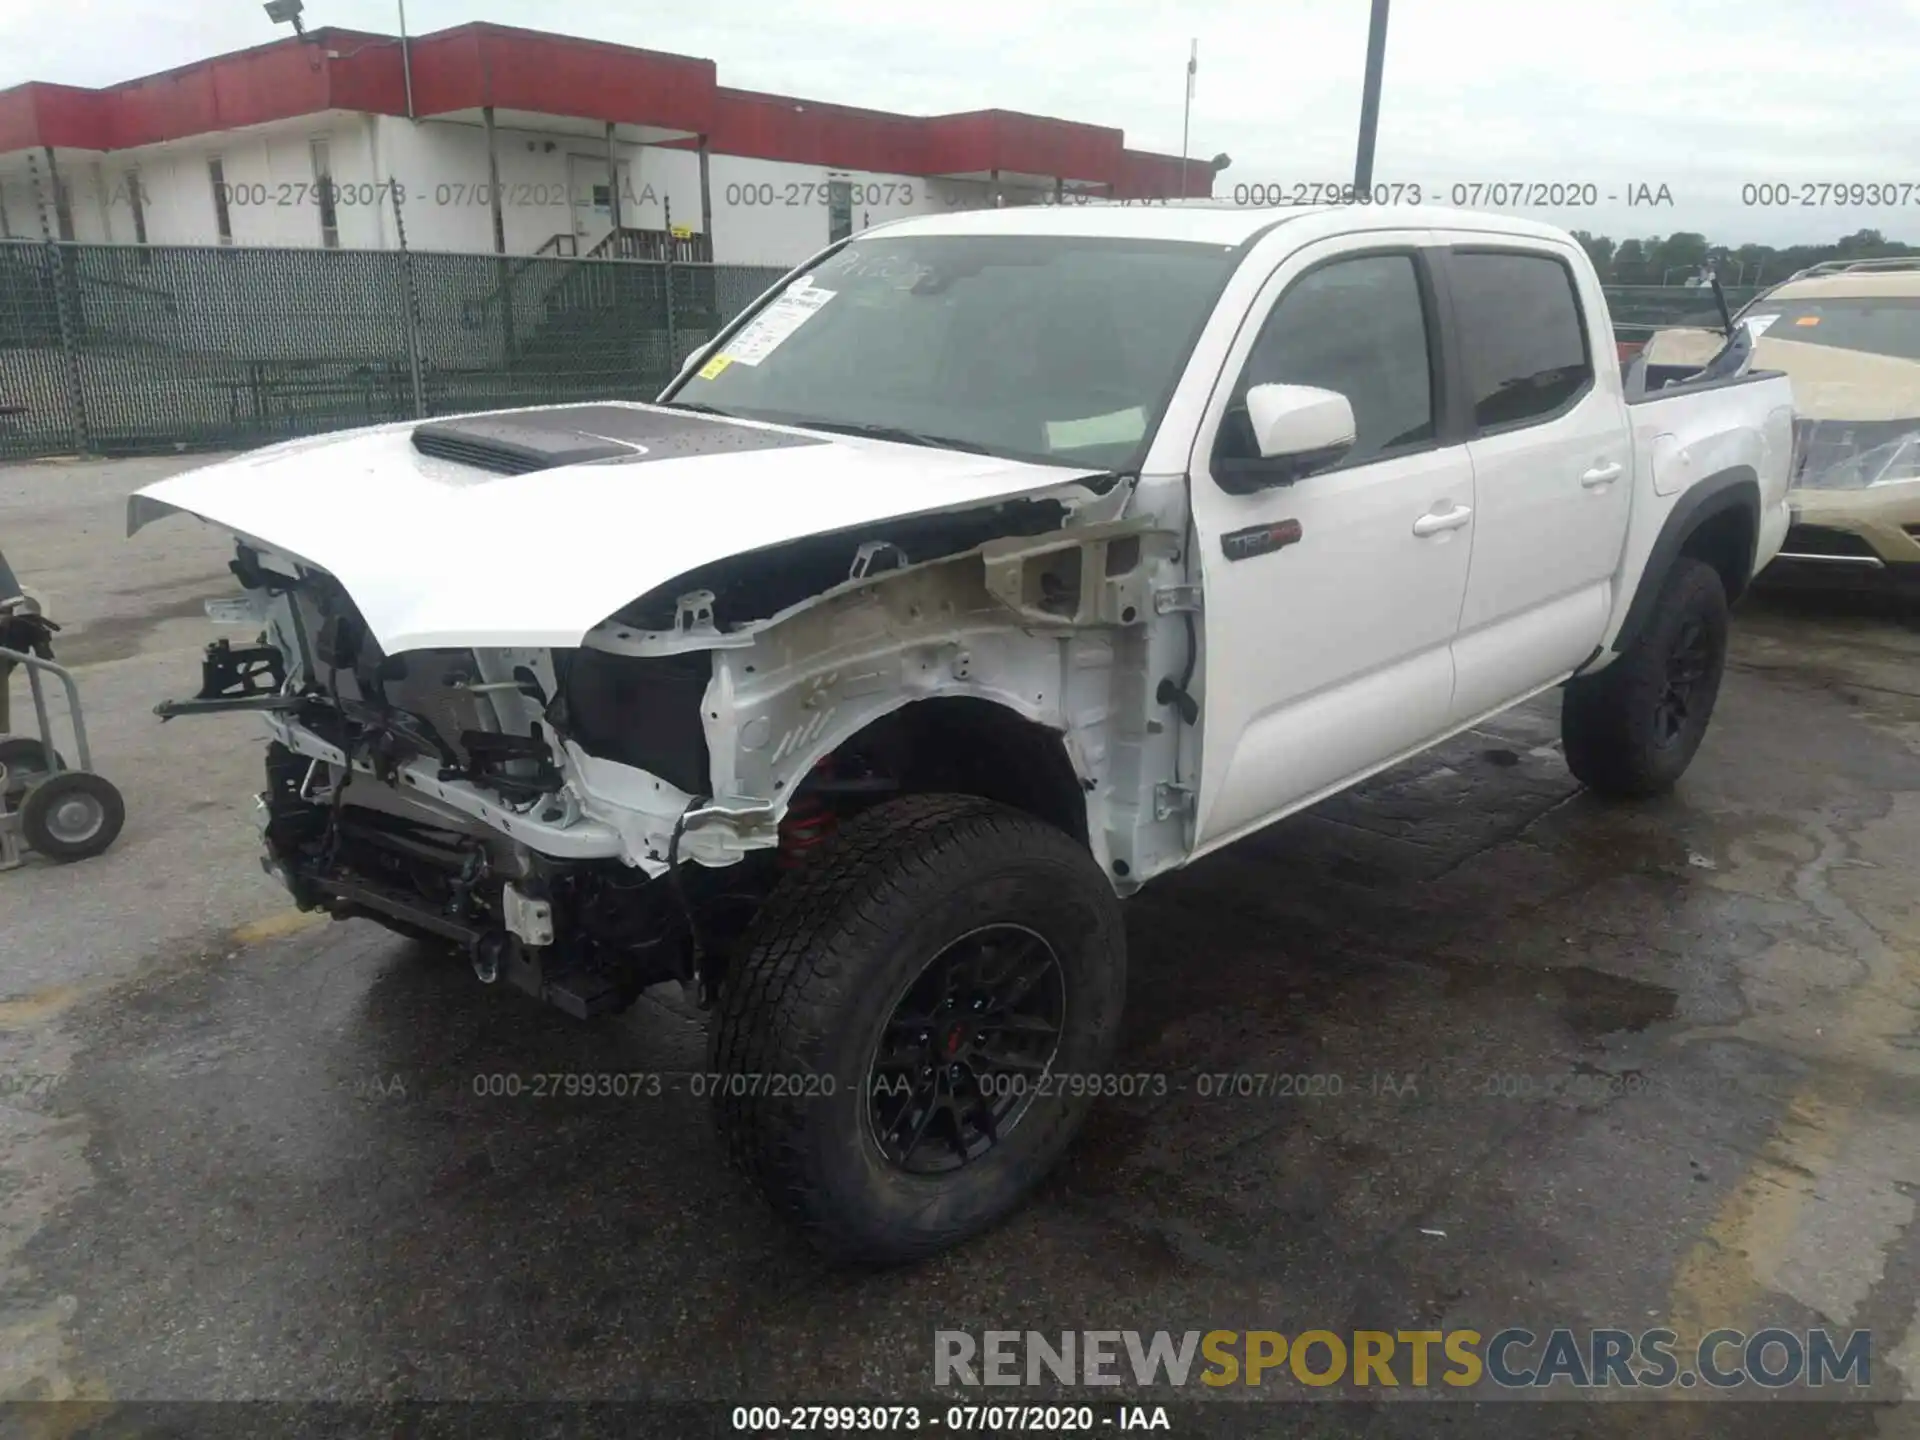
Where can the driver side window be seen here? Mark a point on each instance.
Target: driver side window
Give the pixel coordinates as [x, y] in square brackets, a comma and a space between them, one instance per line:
[1356, 326]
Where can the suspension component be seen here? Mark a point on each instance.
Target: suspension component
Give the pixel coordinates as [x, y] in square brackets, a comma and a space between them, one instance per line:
[810, 821]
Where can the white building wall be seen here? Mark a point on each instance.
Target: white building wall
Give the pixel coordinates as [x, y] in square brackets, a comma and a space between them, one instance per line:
[764, 212]
[175, 193]
[17, 202]
[268, 172]
[441, 172]
[26, 215]
[84, 202]
[772, 212]
[442, 169]
[17, 220]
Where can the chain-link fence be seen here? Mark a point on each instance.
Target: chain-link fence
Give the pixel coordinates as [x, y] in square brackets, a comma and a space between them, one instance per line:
[115, 349]
[122, 349]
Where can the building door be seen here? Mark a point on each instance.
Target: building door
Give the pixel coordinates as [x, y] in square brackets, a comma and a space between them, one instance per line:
[592, 200]
[839, 210]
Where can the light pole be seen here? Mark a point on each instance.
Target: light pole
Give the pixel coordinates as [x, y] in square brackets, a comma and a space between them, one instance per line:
[287, 12]
[406, 57]
[1370, 100]
[1186, 114]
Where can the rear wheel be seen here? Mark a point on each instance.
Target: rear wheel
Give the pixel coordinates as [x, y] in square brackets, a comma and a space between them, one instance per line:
[1632, 729]
[885, 1037]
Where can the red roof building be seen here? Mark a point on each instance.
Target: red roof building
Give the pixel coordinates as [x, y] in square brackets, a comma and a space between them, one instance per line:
[491, 138]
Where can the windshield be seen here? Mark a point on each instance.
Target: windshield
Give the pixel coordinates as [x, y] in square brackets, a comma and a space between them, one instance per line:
[1886, 325]
[1061, 349]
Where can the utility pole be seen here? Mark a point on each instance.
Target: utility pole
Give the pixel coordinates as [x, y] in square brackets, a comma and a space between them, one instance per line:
[1186, 115]
[1370, 101]
[406, 58]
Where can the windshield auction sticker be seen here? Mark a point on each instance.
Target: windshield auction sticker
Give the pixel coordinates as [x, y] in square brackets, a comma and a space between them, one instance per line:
[771, 327]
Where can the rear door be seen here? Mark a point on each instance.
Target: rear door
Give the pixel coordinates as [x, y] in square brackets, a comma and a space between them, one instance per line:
[1331, 601]
[1552, 466]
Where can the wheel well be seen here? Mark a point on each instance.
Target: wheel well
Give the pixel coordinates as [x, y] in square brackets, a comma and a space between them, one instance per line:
[1725, 540]
[963, 745]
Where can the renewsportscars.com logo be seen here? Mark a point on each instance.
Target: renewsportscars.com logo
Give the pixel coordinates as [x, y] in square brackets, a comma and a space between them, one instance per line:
[1512, 1359]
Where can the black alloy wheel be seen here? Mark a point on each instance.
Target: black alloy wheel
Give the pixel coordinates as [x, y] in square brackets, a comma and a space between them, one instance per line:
[962, 1054]
[1689, 663]
[1632, 728]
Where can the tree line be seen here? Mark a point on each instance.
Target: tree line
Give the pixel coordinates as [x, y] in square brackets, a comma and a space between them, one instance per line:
[1674, 259]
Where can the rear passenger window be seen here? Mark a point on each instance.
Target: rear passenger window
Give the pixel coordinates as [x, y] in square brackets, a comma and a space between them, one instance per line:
[1356, 326]
[1521, 336]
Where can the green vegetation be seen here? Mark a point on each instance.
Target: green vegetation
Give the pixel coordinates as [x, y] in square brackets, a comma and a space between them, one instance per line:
[1674, 259]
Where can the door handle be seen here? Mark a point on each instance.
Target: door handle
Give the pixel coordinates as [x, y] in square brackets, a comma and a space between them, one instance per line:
[1453, 519]
[1602, 475]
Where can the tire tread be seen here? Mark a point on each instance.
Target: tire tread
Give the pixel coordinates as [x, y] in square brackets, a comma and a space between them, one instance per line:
[1604, 717]
[793, 975]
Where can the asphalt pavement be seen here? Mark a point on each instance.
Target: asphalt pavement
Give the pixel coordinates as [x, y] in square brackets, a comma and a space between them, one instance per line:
[1554, 1062]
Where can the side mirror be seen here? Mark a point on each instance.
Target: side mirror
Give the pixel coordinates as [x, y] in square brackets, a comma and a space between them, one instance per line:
[1297, 430]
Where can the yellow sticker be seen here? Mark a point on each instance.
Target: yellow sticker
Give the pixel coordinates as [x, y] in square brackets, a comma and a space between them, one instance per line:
[711, 370]
[1808, 320]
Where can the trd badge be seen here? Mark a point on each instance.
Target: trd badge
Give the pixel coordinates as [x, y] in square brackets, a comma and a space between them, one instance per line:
[1260, 539]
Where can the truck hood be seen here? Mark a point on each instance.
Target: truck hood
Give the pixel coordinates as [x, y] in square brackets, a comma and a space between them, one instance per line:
[530, 527]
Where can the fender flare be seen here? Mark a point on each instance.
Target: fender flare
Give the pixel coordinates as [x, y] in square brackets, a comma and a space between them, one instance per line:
[1735, 488]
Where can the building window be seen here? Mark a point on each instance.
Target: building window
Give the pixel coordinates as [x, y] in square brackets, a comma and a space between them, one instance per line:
[839, 210]
[137, 203]
[323, 194]
[222, 217]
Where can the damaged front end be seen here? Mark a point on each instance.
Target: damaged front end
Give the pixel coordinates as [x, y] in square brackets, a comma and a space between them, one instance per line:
[586, 821]
[443, 793]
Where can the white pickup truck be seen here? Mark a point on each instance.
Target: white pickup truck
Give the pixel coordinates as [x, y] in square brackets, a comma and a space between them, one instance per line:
[990, 566]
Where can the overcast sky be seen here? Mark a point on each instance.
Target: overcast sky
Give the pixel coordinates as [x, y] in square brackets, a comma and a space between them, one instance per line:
[1698, 95]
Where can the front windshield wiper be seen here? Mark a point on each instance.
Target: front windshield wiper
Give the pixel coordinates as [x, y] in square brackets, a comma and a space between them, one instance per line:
[890, 432]
[699, 409]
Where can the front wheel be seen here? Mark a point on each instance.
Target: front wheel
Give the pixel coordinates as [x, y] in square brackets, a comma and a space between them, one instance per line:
[1632, 729]
[905, 1042]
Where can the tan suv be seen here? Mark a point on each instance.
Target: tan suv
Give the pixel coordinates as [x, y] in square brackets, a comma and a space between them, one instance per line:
[1848, 334]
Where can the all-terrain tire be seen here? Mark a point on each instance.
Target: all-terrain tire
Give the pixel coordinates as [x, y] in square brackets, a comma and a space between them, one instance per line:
[818, 975]
[1632, 729]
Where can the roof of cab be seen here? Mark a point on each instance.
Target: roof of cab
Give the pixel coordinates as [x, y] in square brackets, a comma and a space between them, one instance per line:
[1216, 222]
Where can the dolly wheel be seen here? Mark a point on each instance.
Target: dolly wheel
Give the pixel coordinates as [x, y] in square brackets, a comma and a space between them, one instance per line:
[73, 815]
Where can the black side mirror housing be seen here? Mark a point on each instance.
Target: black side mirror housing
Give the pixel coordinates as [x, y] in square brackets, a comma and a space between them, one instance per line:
[1249, 475]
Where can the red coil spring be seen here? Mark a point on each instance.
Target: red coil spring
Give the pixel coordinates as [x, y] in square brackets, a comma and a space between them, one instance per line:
[810, 823]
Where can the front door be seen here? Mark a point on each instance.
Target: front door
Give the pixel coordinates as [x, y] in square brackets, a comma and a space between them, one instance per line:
[591, 196]
[1331, 601]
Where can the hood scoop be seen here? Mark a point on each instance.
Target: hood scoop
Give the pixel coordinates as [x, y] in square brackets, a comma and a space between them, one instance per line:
[519, 442]
[513, 446]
